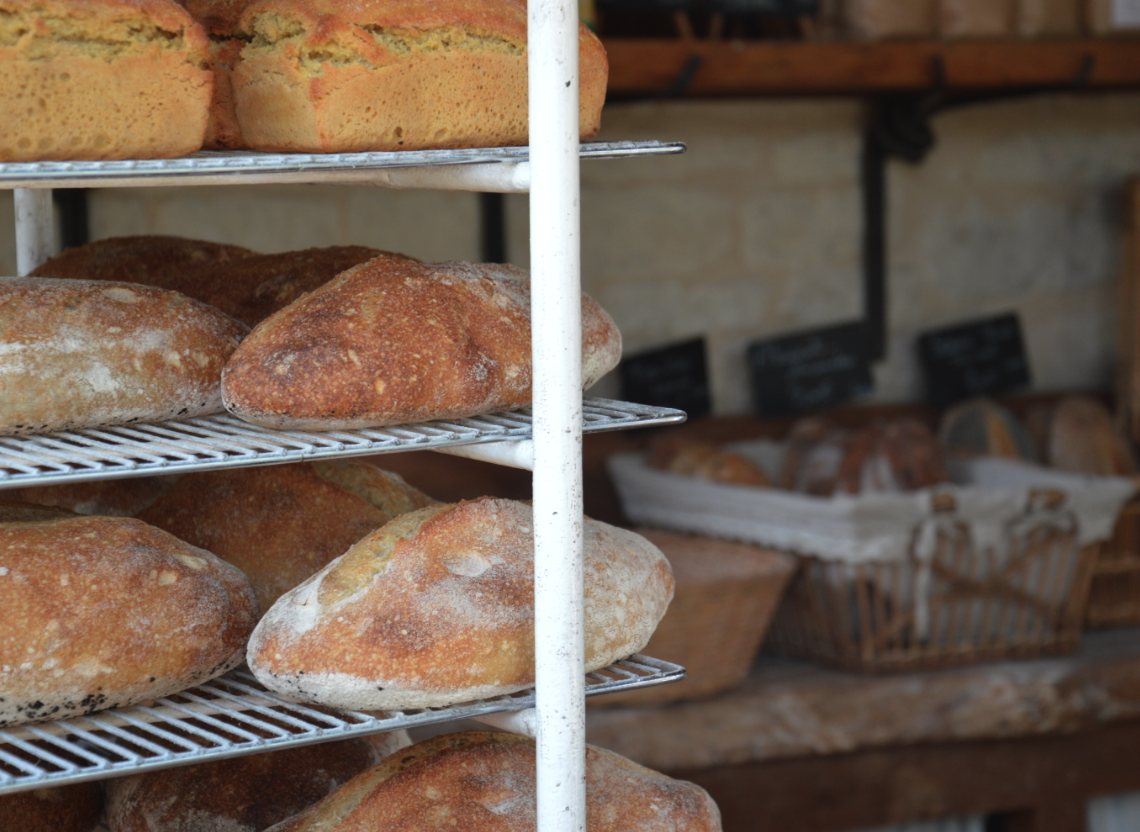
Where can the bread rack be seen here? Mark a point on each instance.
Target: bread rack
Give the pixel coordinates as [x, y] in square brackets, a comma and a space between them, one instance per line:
[548, 171]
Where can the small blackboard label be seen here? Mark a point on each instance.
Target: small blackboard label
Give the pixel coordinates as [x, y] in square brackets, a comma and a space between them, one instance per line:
[976, 359]
[809, 370]
[675, 376]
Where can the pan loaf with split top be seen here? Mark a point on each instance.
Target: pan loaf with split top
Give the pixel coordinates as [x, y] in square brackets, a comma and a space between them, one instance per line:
[80, 353]
[394, 341]
[97, 612]
[101, 79]
[437, 607]
[485, 782]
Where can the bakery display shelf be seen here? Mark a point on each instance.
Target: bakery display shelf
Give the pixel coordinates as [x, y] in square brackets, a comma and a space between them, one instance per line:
[243, 167]
[223, 441]
[233, 716]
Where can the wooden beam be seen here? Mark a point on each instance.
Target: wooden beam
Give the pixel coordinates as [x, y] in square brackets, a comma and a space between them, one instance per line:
[757, 68]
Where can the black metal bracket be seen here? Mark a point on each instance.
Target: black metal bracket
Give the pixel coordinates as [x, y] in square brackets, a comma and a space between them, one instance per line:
[899, 126]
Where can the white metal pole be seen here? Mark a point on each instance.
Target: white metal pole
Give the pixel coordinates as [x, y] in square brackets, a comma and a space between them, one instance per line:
[35, 228]
[557, 341]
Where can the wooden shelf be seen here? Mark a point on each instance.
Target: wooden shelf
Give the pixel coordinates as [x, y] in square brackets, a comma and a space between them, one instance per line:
[760, 68]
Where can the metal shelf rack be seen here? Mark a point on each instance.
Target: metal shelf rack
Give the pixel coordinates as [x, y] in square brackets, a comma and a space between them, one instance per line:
[232, 716]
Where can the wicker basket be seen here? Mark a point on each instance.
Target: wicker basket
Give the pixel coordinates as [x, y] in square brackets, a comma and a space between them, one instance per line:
[725, 598]
[949, 602]
[1114, 598]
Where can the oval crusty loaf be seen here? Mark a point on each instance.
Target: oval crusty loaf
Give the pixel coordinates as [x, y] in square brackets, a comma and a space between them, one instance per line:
[281, 524]
[485, 782]
[101, 79]
[396, 341]
[77, 808]
[78, 353]
[152, 260]
[245, 794]
[105, 498]
[322, 76]
[97, 612]
[437, 607]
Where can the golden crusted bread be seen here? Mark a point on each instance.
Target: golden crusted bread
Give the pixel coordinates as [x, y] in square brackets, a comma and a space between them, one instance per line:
[437, 607]
[101, 79]
[982, 427]
[79, 353]
[97, 612]
[77, 808]
[704, 461]
[152, 260]
[324, 76]
[245, 794]
[485, 782]
[219, 18]
[282, 523]
[104, 498]
[1082, 437]
[395, 341]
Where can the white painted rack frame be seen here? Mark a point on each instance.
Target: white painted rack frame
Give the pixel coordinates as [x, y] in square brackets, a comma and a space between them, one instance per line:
[549, 171]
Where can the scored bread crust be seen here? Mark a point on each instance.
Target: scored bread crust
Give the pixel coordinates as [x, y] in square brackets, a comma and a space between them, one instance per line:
[78, 353]
[145, 57]
[394, 341]
[220, 18]
[437, 607]
[485, 782]
[333, 76]
[98, 612]
[245, 794]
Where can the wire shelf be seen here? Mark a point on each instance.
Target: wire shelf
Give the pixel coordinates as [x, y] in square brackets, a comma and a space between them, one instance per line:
[233, 716]
[241, 167]
[223, 441]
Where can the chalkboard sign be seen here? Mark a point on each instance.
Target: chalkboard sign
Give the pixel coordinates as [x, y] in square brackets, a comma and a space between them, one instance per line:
[675, 376]
[810, 370]
[976, 359]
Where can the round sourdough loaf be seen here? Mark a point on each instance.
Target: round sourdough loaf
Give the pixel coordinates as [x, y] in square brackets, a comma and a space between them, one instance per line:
[325, 76]
[80, 353]
[77, 808]
[437, 607]
[97, 612]
[105, 498]
[485, 782]
[282, 523]
[245, 794]
[101, 79]
[150, 259]
[394, 341]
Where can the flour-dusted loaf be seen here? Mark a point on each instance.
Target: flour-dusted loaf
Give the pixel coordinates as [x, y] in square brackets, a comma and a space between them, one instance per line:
[78, 353]
[395, 341]
[150, 259]
[437, 607]
[982, 427]
[282, 523]
[101, 79]
[323, 76]
[245, 794]
[77, 808]
[485, 782]
[97, 612]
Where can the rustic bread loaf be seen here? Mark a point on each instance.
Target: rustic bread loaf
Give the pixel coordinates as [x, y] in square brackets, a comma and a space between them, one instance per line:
[219, 18]
[281, 524]
[321, 76]
[152, 260]
[78, 353]
[253, 288]
[245, 794]
[97, 612]
[13, 511]
[485, 782]
[395, 341]
[1082, 437]
[704, 461]
[105, 498]
[982, 427]
[77, 808]
[437, 607]
[101, 79]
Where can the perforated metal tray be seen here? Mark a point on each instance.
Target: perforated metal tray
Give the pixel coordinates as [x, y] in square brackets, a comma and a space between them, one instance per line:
[243, 167]
[233, 716]
[215, 442]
